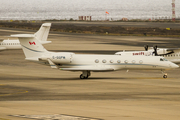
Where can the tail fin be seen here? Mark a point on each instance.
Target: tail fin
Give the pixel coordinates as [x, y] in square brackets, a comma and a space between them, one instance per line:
[32, 48]
[43, 32]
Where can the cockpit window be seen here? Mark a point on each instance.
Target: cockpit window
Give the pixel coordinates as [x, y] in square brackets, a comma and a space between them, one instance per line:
[163, 59]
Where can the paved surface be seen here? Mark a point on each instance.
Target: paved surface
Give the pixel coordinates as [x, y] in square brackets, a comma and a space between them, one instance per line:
[29, 90]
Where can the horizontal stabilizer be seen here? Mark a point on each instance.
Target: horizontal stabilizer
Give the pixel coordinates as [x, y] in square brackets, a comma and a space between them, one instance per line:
[46, 25]
[171, 49]
[45, 42]
[88, 69]
[23, 35]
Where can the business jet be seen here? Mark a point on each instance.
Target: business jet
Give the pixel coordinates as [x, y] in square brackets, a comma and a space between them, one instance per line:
[15, 44]
[68, 61]
[171, 54]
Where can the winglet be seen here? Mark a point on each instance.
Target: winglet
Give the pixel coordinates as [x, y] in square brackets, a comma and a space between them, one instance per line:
[54, 66]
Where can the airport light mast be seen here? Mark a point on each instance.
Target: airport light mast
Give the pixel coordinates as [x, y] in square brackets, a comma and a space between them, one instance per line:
[173, 11]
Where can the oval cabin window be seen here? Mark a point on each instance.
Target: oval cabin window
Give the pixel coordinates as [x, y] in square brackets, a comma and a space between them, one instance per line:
[96, 61]
[111, 61]
[126, 61]
[118, 61]
[140, 61]
[104, 61]
[133, 61]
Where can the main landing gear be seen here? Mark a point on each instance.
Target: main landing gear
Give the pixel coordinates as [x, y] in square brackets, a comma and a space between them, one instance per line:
[85, 75]
[165, 75]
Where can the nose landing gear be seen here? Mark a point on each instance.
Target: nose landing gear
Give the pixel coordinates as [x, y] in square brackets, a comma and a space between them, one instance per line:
[165, 74]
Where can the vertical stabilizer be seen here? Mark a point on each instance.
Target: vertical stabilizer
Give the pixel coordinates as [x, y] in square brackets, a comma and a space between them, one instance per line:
[43, 32]
[32, 48]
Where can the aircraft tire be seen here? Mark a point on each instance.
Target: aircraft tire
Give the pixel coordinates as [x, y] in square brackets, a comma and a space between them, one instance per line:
[165, 76]
[86, 77]
[81, 76]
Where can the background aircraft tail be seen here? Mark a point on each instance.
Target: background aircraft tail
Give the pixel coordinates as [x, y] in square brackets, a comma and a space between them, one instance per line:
[43, 32]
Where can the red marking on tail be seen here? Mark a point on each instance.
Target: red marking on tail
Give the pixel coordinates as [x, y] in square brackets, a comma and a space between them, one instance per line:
[32, 43]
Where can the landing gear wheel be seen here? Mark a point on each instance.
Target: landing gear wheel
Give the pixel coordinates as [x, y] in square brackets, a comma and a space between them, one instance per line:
[86, 77]
[165, 76]
[81, 76]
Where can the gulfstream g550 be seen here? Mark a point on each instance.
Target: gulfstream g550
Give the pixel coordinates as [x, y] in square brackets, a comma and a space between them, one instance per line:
[86, 63]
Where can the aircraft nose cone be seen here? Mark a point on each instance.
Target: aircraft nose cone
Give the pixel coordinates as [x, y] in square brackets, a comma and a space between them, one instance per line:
[174, 65]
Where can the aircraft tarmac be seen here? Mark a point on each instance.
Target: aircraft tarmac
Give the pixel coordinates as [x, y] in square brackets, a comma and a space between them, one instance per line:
[29, 90]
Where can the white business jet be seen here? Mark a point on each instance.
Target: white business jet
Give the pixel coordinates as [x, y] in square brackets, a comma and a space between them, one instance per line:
[68, 61]
[171, 54]
[42, 34]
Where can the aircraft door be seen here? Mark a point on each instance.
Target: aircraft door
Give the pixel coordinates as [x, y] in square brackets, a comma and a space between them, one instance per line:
[71, 57]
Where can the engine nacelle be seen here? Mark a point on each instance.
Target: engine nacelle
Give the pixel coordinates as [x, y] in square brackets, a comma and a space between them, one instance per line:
[62, 57]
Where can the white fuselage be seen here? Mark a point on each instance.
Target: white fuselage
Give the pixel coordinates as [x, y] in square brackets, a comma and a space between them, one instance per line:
[10, 44]
[116, 62]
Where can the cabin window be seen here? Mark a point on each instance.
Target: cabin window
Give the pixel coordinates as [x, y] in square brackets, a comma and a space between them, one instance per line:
[126, 61]
[133, 61]
[96, 61]
[111, 61]
[140, 61]
[104, 61]
[118, 61]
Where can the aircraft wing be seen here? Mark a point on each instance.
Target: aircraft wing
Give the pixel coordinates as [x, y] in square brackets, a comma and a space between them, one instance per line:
[168, 49]
[172, 49]
[95, 69]
[85, 68]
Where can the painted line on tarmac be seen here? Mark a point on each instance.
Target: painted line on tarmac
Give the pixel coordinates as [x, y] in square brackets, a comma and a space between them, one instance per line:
[19, 91]
[56, 117]
[153, 78]
[4, 119]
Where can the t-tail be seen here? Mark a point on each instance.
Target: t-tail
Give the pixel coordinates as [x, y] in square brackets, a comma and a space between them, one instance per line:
[43, 32]
[31, 44]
